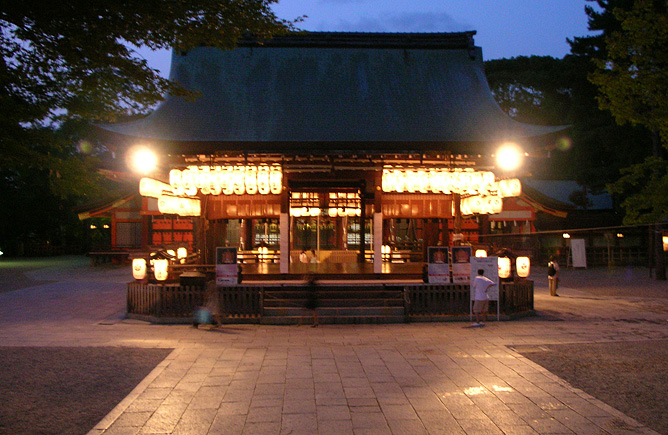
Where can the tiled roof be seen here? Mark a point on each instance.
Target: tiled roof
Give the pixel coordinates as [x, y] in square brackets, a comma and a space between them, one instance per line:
[388, 91]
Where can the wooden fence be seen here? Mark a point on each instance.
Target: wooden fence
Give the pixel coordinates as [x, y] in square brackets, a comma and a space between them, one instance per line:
[173, 302]
[244, 303]
[430, 300]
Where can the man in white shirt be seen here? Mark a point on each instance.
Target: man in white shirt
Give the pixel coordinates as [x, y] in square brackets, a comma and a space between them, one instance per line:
[480, 288]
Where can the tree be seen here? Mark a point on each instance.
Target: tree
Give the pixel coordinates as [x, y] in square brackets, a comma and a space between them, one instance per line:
[67, 66]
[633, 84]
[633, 77]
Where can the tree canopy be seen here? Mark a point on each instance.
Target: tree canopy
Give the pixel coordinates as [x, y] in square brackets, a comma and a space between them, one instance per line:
[64, 66]
[633, 84]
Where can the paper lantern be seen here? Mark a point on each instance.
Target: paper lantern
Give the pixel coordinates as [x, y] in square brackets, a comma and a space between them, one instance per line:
[138, 268]
[263, 180]
[523, 266]
[179, 206]
[275, 180]
[160, 269]
[182, 254]
[504, 267]
[153, 188]
[510, 188]
[480, 253]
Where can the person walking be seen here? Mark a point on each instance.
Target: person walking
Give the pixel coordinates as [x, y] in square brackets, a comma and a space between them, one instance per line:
[480, 288]
[311, 302]
[553, 276]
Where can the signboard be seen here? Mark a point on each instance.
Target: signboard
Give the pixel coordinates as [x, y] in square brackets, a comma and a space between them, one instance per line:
[461, 264]
[227, 271]
[438, 267]
[490, 266]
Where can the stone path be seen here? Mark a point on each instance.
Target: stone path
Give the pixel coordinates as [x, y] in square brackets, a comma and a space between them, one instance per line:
[426, 378]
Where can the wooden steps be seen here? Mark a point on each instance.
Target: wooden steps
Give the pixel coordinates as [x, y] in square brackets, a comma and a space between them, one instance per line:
[336, 304]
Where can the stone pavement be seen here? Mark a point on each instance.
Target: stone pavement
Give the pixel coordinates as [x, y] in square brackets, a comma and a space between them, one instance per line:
[421, 378]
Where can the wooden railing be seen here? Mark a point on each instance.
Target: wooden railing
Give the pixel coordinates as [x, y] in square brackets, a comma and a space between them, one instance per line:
[244, 303]
[164, 301]
[454, 299]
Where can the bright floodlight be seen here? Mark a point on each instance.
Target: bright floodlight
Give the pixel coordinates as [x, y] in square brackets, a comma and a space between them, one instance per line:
[142, 160]
[509, 157]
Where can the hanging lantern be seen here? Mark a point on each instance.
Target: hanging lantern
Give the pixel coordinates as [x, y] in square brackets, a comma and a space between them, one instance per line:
[179, 206]
[182, 254]
[480, 253]
[523, 266]
[152, 188]
[504, 267]
[160, 269]
[251, 180]
[239, 177]
[138, 268]
[275, 180]
[510, 188]
[263, 180]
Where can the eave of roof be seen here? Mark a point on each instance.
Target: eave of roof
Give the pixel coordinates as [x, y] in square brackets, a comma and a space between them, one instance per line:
[333, 91]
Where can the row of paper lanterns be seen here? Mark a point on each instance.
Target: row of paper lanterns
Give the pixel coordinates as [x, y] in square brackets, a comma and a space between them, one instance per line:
[438, 180]
[227, 180]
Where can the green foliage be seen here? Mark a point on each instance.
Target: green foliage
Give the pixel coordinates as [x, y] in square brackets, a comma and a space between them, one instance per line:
[633, 78]
[65, 66]
[633, 83]
[644, 187]
[545, 90]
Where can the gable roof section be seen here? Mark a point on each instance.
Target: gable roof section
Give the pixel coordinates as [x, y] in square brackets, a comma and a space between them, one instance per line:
[402, 91]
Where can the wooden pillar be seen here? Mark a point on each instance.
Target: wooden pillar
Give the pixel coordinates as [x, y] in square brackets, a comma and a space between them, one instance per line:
[377, 225]
[284, 229]
[457, 235]
[362, 228]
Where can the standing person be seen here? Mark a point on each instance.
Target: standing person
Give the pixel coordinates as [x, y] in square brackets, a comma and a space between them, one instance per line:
[303, 258]
[553, 276]
[312, 298]
[480, 286]
[314, 258]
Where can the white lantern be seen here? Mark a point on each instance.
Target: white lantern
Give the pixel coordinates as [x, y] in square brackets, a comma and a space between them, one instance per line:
[138, 268]
[227, 180]
[510, 188]
[239, 177]
[504, 267]
[263, 180]
[152, 188]
[160, 269]
[275, 180]
[480, 253]
[251, 180]
[523, 266]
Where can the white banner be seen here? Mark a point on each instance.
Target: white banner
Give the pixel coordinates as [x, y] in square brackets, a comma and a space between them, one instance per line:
[579, 253]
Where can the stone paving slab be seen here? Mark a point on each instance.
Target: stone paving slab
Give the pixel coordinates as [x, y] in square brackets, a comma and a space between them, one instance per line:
[426, 378]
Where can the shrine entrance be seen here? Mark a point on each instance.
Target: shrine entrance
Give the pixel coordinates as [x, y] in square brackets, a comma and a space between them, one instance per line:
[328, 222]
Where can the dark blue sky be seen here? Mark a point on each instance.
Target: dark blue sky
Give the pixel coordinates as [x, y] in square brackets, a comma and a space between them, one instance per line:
[505, 28]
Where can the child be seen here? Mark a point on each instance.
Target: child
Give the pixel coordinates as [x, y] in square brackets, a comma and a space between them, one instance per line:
[479, 287]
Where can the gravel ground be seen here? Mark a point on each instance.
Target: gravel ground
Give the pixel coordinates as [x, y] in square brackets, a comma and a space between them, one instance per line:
[55, 390]
[631, 376]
